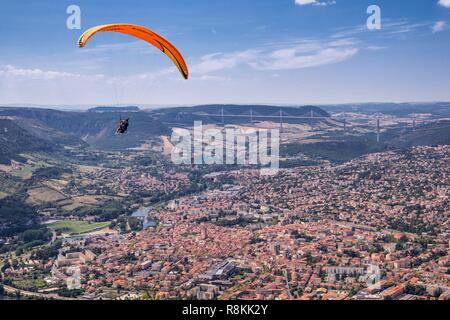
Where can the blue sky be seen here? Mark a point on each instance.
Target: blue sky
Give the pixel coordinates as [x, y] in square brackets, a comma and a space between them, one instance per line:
[238, 51]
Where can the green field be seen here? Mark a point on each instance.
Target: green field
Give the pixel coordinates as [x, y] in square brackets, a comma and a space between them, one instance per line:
[29, 168]
[73, 227]
[29, 284]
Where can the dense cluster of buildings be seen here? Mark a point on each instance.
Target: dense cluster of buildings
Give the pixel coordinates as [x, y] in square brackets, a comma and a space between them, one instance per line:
[373, 228]
[125, 181]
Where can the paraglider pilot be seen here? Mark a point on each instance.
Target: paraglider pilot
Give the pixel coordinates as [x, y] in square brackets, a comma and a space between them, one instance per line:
[123, 127]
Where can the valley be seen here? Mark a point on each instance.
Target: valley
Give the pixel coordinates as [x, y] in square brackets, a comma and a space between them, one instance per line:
[69, 186]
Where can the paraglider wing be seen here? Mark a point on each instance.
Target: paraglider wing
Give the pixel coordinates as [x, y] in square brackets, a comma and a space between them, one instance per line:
[143, 34]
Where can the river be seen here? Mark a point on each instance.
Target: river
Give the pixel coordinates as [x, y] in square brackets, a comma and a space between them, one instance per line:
[144, 215]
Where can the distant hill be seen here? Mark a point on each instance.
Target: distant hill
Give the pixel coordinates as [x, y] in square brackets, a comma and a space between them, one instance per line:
[15, 140]
[49, 134]
[212, 113]
[29, 129]
[114, 109]
[437, 109]
[337, 151]
[95, 128]
[427, 135]
[341, 150]
[16, 215]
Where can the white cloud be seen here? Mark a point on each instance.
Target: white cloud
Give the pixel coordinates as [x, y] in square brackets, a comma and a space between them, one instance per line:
[206, 77]
[376, 48]
[399, 28]
[293, 56]
[324, 4]
[445, 3]
[219, 61]
[15, 72]
[31, 85]
[304, 2]
[292, 60]
[439, 26]
[314, 2]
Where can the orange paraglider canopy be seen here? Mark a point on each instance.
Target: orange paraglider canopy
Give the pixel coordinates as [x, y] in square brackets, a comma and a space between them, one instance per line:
[143, 34]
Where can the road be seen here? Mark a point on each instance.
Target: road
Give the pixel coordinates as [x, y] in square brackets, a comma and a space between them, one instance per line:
[43, 296]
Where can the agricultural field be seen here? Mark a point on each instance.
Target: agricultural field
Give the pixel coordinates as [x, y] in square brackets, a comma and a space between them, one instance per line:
[84, 201]
[56, 184]
[44, 195]
[73, 227]
[25, 171]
